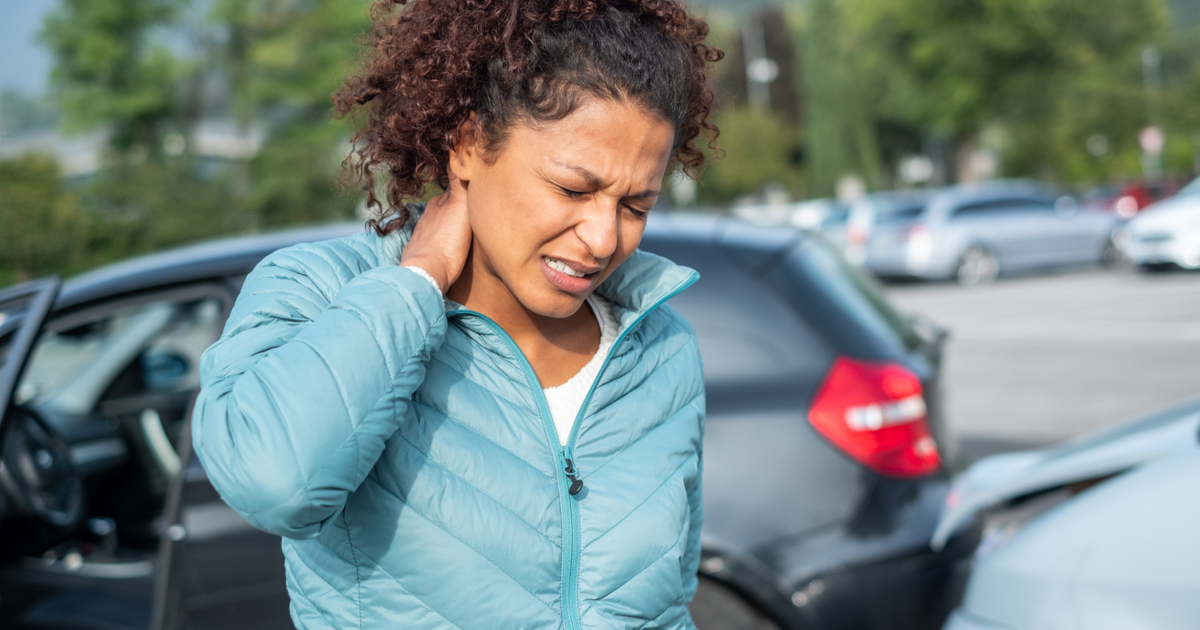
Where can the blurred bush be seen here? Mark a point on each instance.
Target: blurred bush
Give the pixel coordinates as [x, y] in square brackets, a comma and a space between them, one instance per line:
[759, 149]
[41, 219]
[150, 73]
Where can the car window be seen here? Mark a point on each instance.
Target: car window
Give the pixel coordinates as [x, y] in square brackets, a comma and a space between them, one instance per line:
[152, 347]
[22, 309]
[1001, 207]
[858, 295]
[745, 330]
[898, 213]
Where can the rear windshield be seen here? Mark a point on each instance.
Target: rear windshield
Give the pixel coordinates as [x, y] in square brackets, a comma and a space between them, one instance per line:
[898, 213]
[747, 332]
[855, 295]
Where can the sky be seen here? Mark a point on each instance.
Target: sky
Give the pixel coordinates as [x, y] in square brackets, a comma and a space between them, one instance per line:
[24, 64]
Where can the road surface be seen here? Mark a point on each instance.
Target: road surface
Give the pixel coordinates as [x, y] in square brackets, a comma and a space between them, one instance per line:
[1039, 359]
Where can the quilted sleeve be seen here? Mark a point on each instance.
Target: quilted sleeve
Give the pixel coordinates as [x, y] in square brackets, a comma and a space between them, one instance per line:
[311, 376]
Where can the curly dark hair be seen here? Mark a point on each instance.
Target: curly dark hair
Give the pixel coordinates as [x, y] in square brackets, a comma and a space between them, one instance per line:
[435, 62]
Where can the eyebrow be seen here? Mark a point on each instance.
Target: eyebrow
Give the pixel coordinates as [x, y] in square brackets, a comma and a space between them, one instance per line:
[593, 180]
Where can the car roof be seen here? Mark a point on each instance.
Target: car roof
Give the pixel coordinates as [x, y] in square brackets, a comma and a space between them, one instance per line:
[237, 255]
[992, 189]
[207, 260]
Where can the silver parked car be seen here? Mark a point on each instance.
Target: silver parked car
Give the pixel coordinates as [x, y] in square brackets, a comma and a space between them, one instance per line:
[1099, 534]
[974, 233]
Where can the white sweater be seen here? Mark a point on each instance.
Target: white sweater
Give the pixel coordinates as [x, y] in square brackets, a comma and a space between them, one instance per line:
[566, 399]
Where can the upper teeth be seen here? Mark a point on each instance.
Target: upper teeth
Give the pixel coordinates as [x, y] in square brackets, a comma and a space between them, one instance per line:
[563, 268]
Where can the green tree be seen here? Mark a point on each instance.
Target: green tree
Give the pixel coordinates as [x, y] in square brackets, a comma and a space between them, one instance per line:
[952, 66]
[759, 148]
[840, 134]
[284, 60]
[109, 71]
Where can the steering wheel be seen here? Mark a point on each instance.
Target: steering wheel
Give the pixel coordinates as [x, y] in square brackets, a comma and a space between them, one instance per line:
[37, 472]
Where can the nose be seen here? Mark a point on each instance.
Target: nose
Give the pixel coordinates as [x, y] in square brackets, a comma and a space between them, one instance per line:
[599, 228]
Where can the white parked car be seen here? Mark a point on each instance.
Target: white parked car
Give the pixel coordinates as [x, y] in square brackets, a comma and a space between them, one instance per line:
[1098, 534]
[1166, 233]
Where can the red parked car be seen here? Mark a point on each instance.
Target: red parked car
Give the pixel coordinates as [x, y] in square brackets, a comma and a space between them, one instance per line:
[1130, 198]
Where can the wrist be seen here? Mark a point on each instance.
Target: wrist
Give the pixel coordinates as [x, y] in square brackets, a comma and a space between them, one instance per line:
[432, 271]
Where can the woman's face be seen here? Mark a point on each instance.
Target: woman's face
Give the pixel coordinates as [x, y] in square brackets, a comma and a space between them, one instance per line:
[562, 204]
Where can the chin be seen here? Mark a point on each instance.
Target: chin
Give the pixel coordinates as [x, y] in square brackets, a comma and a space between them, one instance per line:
[553, 304]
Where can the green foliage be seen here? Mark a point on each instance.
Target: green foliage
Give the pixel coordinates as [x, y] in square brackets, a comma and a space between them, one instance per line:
[975, 61]
[759, 149]
[41, 220]
[878, 79]
[139, 208]
[276, 62]
[295, 177]
[840, 134]
[285, 59]
[1051, 72]
[107, 70]
[294, 53]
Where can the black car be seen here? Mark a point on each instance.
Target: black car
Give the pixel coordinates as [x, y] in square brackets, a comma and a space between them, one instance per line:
[823, 474]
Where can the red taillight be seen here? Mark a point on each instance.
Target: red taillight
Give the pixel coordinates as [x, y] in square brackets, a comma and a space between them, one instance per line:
[876, 413]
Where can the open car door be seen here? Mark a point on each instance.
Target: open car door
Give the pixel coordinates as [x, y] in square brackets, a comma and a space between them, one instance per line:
[36, 472]
[23, 308]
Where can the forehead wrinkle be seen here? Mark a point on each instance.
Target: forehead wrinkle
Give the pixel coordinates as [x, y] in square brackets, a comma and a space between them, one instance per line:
[591, 178]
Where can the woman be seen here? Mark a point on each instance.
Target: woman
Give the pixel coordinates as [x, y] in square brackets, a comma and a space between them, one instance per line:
[501, 456]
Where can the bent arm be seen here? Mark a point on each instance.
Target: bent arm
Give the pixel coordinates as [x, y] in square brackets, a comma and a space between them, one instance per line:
[307, 383]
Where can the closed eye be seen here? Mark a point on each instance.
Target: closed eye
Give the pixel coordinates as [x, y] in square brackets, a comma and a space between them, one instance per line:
[572, 194]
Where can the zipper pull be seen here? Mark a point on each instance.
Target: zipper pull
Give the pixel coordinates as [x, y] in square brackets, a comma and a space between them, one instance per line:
[576, 482]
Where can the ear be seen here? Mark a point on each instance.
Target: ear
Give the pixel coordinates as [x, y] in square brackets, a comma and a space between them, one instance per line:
[466, 156]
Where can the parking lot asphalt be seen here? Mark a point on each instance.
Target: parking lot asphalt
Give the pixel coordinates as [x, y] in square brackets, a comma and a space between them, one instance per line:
[1038, 359]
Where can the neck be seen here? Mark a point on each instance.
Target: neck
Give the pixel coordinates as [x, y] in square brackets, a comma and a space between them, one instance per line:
[478, 288]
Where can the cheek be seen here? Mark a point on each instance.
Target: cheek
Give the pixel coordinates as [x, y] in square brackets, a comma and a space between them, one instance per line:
[631, 237]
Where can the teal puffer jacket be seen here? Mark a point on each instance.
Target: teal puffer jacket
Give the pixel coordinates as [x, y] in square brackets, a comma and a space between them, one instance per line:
[402, 447]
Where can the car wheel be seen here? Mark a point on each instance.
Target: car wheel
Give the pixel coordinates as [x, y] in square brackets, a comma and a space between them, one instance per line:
[977, 266]
[718, 607]
[1111, 255]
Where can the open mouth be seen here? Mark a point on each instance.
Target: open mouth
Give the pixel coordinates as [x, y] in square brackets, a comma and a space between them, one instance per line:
[564, 268]
[569, 276]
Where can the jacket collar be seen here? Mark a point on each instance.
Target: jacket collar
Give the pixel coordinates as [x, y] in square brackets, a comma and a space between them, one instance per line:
[642, 283]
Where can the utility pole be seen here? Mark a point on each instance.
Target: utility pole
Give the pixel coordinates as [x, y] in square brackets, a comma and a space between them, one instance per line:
[760, 71]
[1152, 137]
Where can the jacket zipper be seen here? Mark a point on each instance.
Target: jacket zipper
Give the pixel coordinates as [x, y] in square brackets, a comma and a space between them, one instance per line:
[568, 475]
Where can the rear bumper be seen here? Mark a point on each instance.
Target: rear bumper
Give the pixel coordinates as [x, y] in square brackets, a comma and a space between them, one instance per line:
[877, 571]
[916, 590]
[934, 262]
